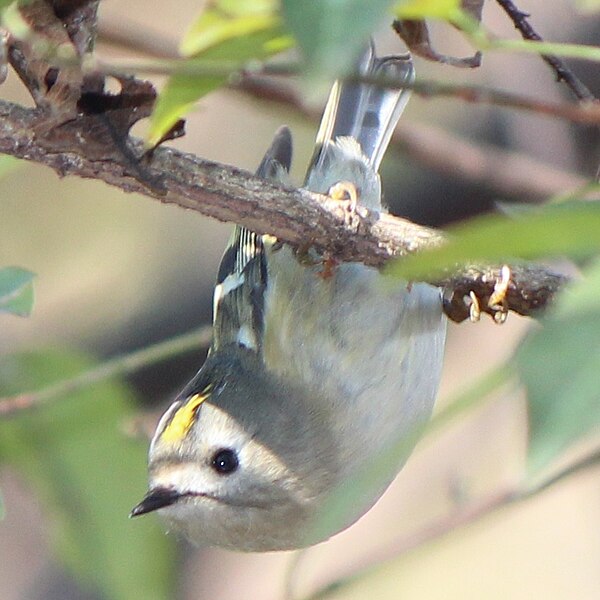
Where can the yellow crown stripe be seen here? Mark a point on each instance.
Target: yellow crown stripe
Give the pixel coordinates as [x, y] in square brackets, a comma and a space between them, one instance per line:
[183, 419]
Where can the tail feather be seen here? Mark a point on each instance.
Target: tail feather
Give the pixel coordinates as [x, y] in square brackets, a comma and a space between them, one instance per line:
[365, 111]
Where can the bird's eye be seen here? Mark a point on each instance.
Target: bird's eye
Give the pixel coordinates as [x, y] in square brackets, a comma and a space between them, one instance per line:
[225, 461]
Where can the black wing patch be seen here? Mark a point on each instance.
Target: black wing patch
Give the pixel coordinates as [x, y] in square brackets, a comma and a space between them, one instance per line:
[238, 302]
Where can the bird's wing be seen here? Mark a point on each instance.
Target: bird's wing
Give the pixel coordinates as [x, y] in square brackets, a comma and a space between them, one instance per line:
[238, 300]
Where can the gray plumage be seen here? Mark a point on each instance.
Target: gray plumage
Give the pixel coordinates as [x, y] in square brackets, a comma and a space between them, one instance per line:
[313, 377]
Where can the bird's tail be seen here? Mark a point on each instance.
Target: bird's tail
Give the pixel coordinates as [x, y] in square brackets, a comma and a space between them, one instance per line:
[366, 111]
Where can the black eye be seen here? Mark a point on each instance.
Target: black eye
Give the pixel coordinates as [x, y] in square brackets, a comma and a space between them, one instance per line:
[225, 461]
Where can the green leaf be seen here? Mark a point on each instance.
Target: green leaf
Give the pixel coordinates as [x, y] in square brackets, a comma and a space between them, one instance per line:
[12, 19]
[16, 291]
[9, 164]
[559, 366]
[224, 39]
[4, 4]
[332, 33]
[228, 20]
[570, 229]
[588, 5]
[87, 475]
[427, 9]
[176, 99]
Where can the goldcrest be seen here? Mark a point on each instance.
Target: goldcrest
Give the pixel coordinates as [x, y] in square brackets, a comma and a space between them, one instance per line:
[315, 371]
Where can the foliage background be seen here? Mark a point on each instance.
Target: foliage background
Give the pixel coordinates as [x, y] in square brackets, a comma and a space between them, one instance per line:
[116, 272]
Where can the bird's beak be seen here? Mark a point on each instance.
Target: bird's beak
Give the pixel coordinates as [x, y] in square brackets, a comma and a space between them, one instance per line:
[155, 499]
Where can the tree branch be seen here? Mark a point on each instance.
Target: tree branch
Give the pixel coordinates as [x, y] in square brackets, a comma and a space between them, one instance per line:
[531, 287]
[84, 131]
[294, 216]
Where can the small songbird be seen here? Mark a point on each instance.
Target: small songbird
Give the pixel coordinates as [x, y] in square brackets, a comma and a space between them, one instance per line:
[315, 371]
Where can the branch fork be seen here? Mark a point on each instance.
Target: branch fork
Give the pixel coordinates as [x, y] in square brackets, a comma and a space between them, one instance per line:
[79, 129]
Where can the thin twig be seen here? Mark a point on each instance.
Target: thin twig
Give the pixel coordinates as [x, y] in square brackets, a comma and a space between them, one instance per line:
[118, 366]
[563, 72]
[136, 37]
[590, 460]
[511, 173]
[464, 516]
[587, 114]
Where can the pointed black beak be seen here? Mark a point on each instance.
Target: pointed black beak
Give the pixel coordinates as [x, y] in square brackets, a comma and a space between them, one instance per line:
[155, 499]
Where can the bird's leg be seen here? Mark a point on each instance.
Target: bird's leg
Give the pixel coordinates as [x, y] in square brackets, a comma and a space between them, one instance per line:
[346, 193]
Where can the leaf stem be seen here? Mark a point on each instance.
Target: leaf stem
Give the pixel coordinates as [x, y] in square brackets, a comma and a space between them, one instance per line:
[472, 397]
[120, 365]
[460, 518]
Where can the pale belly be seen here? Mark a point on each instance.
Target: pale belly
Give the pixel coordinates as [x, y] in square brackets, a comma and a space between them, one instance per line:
[370, 348]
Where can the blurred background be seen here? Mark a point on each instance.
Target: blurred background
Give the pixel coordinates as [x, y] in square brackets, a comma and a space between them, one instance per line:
[116, 272]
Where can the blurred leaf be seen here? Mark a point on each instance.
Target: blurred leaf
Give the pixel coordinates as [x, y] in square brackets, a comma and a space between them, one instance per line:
[224, 20]
[559, 366]
[87, 476]
[12, 19]
[588, 5]
[427, 9]
[570, 229]
[225, 38]
[5, 3]
[16, 291]
[9, 164]
[332, 33]
[176, 99]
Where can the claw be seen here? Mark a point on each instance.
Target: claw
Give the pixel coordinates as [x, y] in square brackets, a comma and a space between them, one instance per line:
[344, 190]
[497, 301]
[347, 193]
[474, 308]
[500, 316]
[497, 304]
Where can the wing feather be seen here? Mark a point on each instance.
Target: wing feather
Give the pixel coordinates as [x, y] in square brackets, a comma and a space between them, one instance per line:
[238, 301]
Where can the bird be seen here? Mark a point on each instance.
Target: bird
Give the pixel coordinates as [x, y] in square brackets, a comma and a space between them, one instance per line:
[320, 376]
